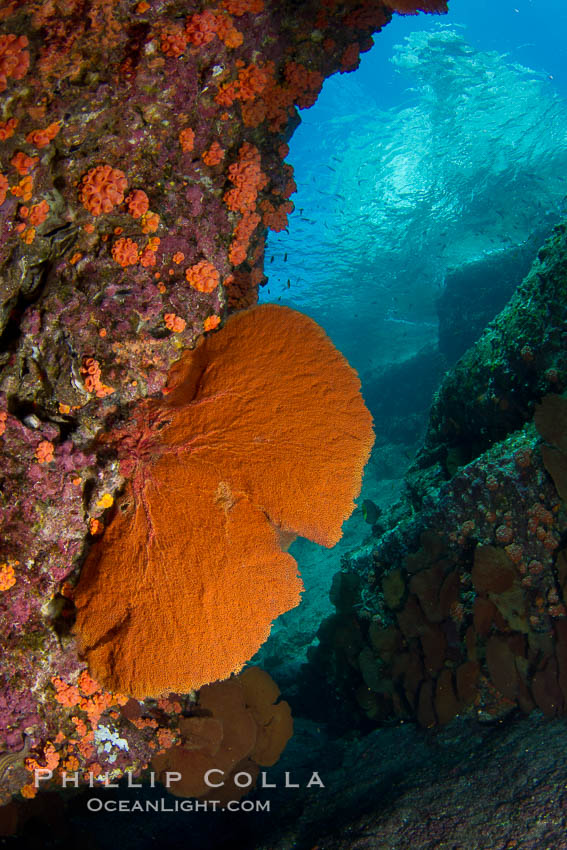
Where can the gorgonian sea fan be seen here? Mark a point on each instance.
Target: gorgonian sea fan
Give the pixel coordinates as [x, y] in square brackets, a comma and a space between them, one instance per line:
[262, 435]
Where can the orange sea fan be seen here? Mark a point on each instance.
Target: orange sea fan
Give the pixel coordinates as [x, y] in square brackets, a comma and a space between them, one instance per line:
[263, 431]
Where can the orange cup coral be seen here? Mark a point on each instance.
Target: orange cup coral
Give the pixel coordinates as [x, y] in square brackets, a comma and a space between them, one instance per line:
[102, 188]
[125, 252]
[263, 431]
[187, 139]
[214, 155]
[3, 188]
[138, 203]
[203, 276]
[14, 59]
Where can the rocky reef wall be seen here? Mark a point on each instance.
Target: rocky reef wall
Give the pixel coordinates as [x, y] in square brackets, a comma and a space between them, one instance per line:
[458, 606]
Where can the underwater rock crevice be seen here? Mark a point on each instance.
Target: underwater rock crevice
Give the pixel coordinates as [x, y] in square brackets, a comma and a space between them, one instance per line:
[492, 390]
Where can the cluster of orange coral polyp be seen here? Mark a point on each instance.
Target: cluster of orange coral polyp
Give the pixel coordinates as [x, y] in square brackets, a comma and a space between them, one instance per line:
[275, 217]
[138, 203]
[14, 59]
[102, 188]
[248, 179]
[173, 41]
[4, 185]
[228, 34]
[23, 163]
[240, 289]
[242, 234]
[187, 139]
[273, 101]
[214, 155]
[240, 7]
[263, 430]
[38, 213]
[8, 128]
[203, 276]
[92, 378]
[41, 138]
[200, 28]
[125, 252]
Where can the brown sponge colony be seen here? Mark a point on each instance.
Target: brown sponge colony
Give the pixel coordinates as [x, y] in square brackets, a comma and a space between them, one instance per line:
[551, 422]
[236, 728]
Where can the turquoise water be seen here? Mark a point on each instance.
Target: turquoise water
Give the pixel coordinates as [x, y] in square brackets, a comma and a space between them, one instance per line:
[448, 144]
[439, 163]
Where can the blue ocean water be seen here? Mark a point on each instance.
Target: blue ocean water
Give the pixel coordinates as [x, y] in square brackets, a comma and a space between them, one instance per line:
[449, 143]
[442, 158]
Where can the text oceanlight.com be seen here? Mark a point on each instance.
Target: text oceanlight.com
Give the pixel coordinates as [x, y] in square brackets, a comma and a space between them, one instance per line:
[167, 805]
